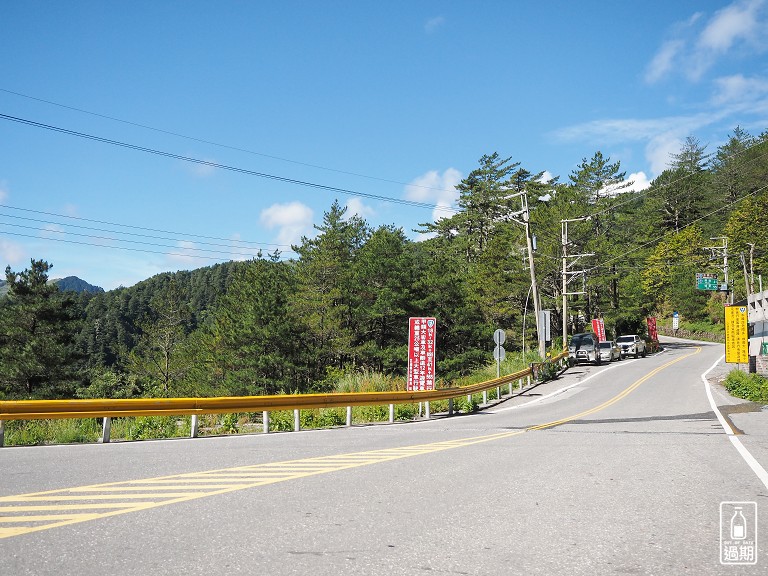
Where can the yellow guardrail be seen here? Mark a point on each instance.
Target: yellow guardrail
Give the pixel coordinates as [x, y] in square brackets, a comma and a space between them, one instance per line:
[116, 408]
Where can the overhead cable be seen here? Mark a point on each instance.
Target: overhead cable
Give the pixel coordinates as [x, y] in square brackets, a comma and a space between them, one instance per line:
[210, 164]
[202, 141]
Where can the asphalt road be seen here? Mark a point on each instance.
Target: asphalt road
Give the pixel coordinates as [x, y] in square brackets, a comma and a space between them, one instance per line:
[621, 472]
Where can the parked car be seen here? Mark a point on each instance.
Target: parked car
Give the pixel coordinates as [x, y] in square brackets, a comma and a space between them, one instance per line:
[609, 351]
[632, 344]
[584, 347]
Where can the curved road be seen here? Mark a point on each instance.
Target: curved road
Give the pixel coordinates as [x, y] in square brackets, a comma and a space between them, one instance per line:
[623, 472]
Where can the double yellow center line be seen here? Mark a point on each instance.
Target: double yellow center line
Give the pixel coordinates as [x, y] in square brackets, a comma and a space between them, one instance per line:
[26, 513]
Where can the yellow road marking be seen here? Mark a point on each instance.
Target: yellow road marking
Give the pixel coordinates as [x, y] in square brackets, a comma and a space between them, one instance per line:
[165, 490]
[624, 393]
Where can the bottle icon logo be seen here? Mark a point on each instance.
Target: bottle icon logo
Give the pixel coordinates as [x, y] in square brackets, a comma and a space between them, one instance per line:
[738, 525]
[738, 533]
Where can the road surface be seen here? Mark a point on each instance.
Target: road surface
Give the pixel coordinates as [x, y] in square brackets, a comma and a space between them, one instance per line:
[617, 469]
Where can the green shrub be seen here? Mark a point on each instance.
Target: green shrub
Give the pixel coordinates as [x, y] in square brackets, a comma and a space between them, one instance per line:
[149, 427]
[461, 404]
[404, 412]
[748, 386]
[229, 424]
[63, 431]
[281, 420]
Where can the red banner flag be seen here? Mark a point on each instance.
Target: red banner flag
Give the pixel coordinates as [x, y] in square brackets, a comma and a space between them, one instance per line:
[652, 333]
[598, 327]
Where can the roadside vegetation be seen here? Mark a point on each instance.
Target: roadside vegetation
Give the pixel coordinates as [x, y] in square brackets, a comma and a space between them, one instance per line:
[71, 431]
[747, 386]
[334, 316]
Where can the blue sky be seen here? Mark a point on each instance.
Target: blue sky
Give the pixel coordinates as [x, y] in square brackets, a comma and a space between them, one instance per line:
[393, 99]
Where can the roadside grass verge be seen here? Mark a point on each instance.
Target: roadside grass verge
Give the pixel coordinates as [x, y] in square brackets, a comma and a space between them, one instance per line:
[89, 430]
[748, 386]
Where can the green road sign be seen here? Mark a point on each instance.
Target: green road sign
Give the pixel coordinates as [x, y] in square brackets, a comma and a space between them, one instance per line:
[706, 281]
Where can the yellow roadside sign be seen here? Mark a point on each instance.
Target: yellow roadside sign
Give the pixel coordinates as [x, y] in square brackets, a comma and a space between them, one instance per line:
[736, 336]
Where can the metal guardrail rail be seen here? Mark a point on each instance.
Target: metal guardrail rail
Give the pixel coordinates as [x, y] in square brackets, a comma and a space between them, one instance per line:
[117, 408]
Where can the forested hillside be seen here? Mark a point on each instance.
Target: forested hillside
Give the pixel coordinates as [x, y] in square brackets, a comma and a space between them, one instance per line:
[276, 326]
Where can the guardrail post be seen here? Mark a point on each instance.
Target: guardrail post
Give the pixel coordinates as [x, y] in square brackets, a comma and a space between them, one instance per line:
[349, 415]
[510, 387]
[450, 406]
[106, 429]
[485, 396]
[296, 420]
[265, 420]
[391, 413]
[193, 427]
[469, 399]
[426, 410]
[2, 433]
[520, 384]
[498, 392]
[529, 379]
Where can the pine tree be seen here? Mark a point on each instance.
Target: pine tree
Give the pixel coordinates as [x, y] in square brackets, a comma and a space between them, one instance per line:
[37, 328]
[326, 295]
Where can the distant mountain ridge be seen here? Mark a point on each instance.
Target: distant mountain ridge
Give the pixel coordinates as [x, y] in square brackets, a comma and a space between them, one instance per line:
[68, 284]
[75, 284]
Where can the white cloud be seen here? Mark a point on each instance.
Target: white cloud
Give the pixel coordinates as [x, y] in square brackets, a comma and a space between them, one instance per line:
[293, 220]
[356, 207]
[199, 170]
[4, 194]
[435, 188]
[659, 150]
[738, 89]
[185, 253]
[52, 231]
[663, 61]
[546, 176]
[11, 253]
[71, 210]
[639, 182]
[433, 24]
[662, 136]
[739, 21]
[696, 45]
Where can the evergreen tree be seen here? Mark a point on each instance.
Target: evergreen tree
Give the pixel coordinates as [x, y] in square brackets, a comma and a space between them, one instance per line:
[384, 274]
[595, 184]
[159, 358]
[682, 193]
[746, 230]
[252, 344]
[326, 296]
[37, 328]
[669, 276]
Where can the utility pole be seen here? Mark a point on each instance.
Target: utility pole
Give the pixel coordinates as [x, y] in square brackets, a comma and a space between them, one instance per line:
[566, 273]
[524, 214]
[722, 250]
[746, 276]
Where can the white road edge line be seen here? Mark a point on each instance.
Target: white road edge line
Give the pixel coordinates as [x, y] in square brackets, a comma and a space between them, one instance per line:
[555, 393]
[748, 458]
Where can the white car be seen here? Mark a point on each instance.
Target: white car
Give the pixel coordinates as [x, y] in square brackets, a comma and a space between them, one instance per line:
[631, 344]
[609, 351]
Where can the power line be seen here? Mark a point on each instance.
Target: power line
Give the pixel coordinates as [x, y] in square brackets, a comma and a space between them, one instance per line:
[220, 145]
[640, 193]
[723, 207]
[228, 245]
[226, 167]
[143, 250]
[111, 239]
